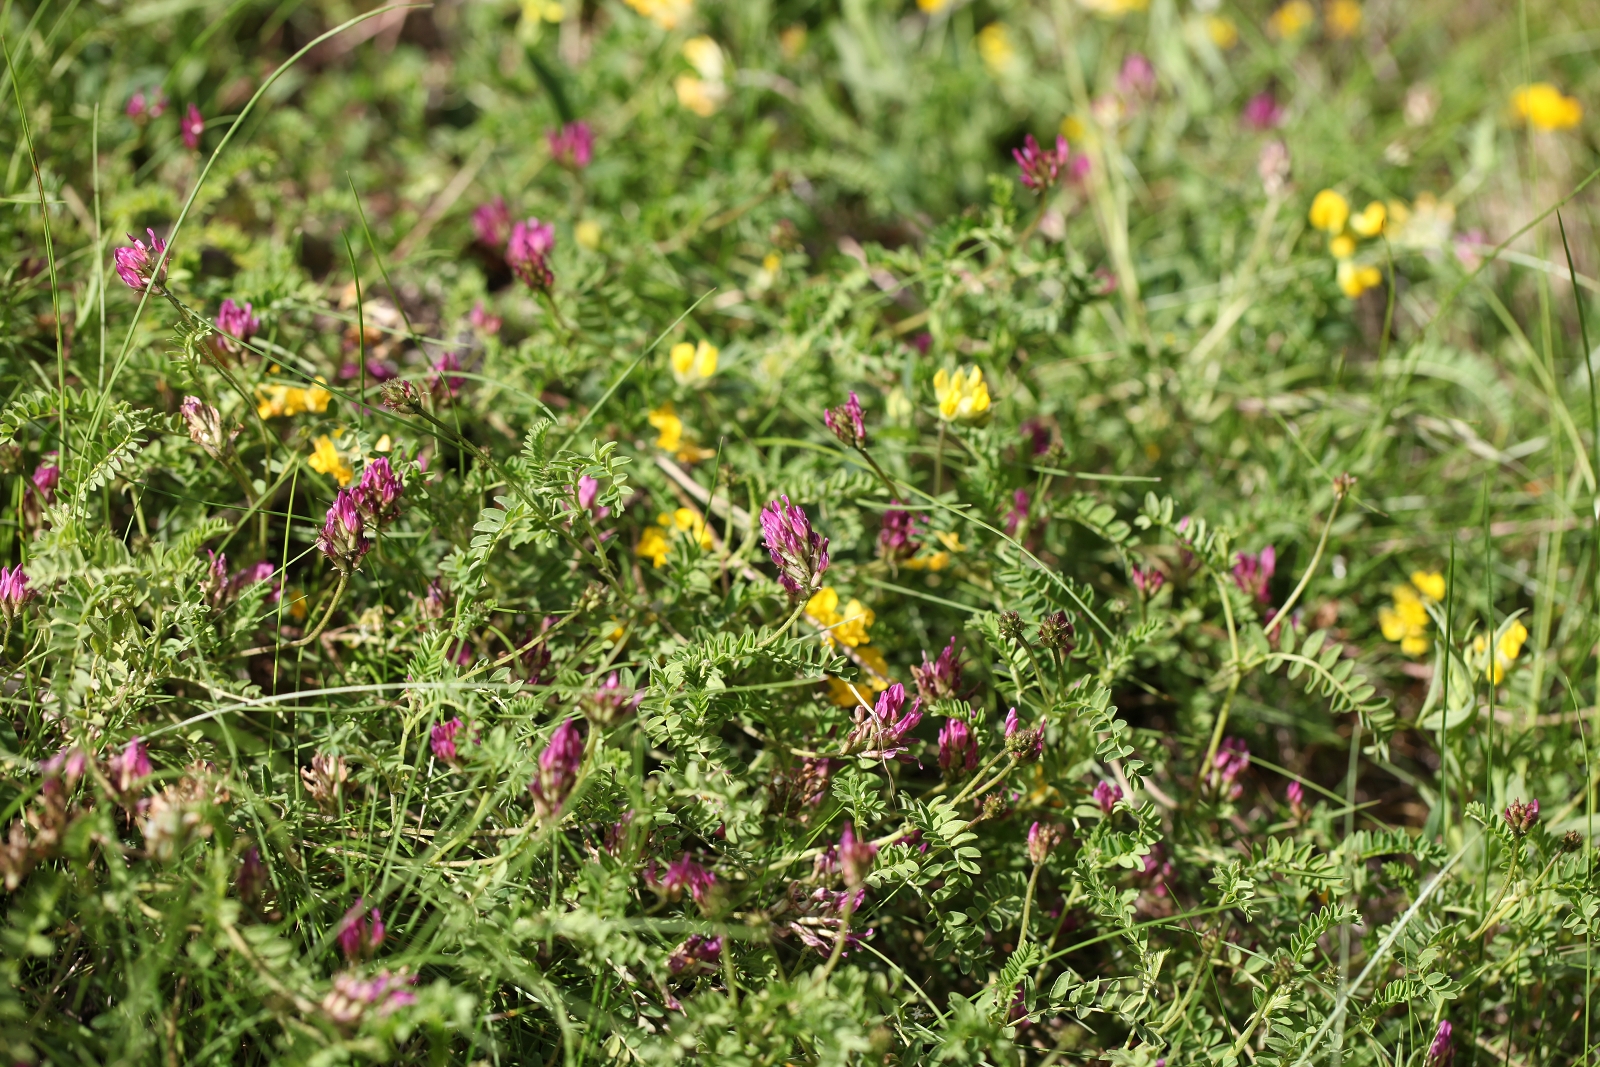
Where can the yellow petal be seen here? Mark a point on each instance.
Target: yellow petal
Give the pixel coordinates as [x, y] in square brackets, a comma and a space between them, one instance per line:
[1369, 222]
[1329, 211]
[1429, 583]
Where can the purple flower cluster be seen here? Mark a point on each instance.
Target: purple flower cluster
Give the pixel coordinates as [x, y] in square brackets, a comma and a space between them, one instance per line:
[142, 108]
[136, 264]
[558, 770]
[846, 422]
[442, 737]
[1042, 840]
[958, 749]
[192, 126]
[205, 426]
[344, 532]
[684, 876]
[351, 996]
[360, 931]
[586, 492]
[491, 223]
[528, 253]
[940, 679]
[443, 379]
[1021, 503]
[1262, 111]
[855, 857]
[798, 551]
[881, 733]
[221, 589]
[1147, 580]
[898, 538]
[1521, 816]
[610, 701]
[572, 145]
[1296, 795]
[1106, 796]
[129, 767]
[1040, 168]
[1441, 1051]
[235, 323]
[46, 476]
[698, 953]
[1232, 760]
[378, 492]
[1252, 572]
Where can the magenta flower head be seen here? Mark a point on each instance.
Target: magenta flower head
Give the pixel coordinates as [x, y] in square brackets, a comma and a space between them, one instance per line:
[1232, 760]
[1262, 111]
[14, 592]
[1521, 816]
[443, 739]
[360, 931]
[1021, 503]
[846, 423]
[941, 679]
[1252, 572]
[492, 223]
[855, 857]
[958, 749]
[130, 766]
[881, 733]
[1137, 77]
[798, 551]
[528, 252]
[143, 107]
[378, 494]
[1024, 746]
[587, 492]
[558, 770]
[1442, 1051]
[1147, 581]
[1042, 840]
[235, 323]
[46, 476]
[193, 125]
[1296, 795]
[898, 538]
[610, 701]
[1040, 169]
[136, 265]
[699, 950]
[1106, 796]
[572, 145]
[684, 875]
[344, 539]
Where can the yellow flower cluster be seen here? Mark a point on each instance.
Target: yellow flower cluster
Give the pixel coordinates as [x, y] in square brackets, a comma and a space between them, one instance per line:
[664, 13]
[1330, 212]
[704, 91]
[1405, 619]
[670, 438]
[1544, 107]
[1506, 651]
[1222, 31]
[656, 541]
[938, 559]
[1343, 18]
[963, 396]
[1292, 19]
[994, 45]
[691, 362]
[327, 459]
[850, 627]
[275, 400]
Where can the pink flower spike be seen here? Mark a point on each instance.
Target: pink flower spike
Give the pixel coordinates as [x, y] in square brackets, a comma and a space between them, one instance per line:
[684, 875]
[360, 931]
[378, 494]
[235, 323]
[1440, 1052]
[798, 551]
[46, 477]
[846, 423]
[1262, 112]
[491, 223]
[443, 739]
[528, 252]
[136, 264]
[1106, 796]
[1042, 840]
[572, 145]
[343, 539]
[958, 749]
[855, 857]
[193, 125]
[1040, 169]
[940, 679]
[129, 767]
[558, 770]
[14, 591]
[1137, 77]
[484, 322]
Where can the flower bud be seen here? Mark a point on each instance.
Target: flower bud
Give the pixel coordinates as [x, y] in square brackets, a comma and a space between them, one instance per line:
[558, 770]
[343, 539]
[958, 749]
[1055, 633]
[846, 423]
[205, 426]
[1106, 796]
[528, 251]
[361, 931]
[855, 857]
[1521, 816]
[1042, 839]
[401, 397]
[1024, 746]
[136, 265]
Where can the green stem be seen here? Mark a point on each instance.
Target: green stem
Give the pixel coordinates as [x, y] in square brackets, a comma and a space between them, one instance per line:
[1027, 905]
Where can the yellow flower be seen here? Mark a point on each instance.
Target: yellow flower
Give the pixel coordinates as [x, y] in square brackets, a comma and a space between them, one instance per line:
[385, 444]
[1543, 107]
[933, 561]
[1369, 223]
[325, 459]
[1342, 246]
[994, 45]
[1355, 279]
[543, 11]
[701, 97]
[587, 234]
[1292, 18]
[1329, 211]
[692, 362]
[1113, 8]
[685, 521]
[705, 56]
[1224, 34]
[669, 427]
[1344, 18]
[1072, 128]
[932, 7]
[962, 396]
[1429, 583]
[664, 13]
[1506, 651]
[282, 400]
[653, 545]
[850, 627]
